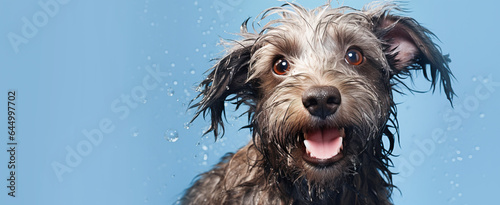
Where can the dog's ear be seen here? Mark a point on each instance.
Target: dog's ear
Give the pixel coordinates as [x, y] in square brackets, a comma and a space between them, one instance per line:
[409, 46]
[227, 77]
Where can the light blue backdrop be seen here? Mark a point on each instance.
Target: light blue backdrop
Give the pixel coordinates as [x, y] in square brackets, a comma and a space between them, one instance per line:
[103, 89]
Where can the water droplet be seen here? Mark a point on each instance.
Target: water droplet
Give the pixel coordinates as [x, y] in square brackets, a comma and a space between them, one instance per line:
[204, 45]
[135, 131]
[170, 92]
[481, 115]
[175, 83]
[477, 148]
[459, 194]
[172, 65]
[187, 125]
[227, 87]
[198, 89]
[205, 157]
[204, 147]
[152, 23]
[192, 72]
[459, 158]
[166, 51]
[458, 151]
[196, 3]
[171, 135]
[470, 156]
[149, 57]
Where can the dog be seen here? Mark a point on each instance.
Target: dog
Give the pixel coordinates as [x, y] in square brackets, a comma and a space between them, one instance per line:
[318, 85]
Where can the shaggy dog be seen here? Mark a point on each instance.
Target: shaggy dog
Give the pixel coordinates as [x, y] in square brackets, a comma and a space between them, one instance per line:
[319, 87]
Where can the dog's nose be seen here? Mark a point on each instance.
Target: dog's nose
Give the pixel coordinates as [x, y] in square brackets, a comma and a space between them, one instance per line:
[321, 101]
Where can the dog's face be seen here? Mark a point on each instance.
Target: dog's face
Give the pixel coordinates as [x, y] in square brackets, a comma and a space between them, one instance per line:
[324, 92]
[319, 86]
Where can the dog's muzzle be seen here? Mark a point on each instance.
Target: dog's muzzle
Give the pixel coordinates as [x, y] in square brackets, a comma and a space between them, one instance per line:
[323, 146]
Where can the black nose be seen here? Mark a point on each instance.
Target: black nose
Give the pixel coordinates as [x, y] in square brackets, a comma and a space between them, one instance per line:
[321, 101]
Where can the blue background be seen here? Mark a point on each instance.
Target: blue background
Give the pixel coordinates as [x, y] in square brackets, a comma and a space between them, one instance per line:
[87, 58]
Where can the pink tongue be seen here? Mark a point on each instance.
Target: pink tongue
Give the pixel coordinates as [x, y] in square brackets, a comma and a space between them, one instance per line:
[323, 143]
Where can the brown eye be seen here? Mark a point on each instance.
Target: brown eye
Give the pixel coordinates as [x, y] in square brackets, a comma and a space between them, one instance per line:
[281, 66]
[354, 56]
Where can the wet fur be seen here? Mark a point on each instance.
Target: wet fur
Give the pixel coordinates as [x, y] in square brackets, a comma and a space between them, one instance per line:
[270, 169]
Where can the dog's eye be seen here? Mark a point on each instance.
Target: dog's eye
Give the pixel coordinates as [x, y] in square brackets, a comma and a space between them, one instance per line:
[281, 66]
[354, 56]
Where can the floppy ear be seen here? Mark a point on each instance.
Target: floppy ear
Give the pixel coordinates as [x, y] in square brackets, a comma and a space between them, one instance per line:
[408, 46]
[227, 77]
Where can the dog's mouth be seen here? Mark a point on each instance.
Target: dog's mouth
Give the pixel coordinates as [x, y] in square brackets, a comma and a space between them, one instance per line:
[323, 146]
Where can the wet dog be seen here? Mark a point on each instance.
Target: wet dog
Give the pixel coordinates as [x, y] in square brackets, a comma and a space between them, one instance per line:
[318, 85]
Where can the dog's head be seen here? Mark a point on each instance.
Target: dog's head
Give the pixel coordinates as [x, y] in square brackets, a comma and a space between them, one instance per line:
[318, 85]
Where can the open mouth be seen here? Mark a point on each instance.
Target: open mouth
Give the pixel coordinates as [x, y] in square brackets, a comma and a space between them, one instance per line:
[323, 146]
